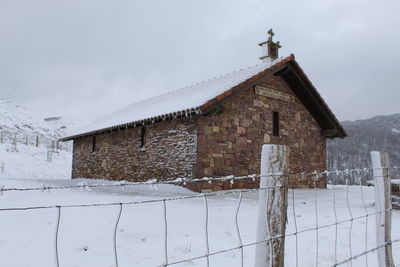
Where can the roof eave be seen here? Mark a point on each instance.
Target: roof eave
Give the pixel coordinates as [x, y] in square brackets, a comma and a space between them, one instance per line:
[310, 97]
[174, 115]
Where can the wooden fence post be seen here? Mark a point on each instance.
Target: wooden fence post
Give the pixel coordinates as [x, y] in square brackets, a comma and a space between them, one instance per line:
[37, 140]
[49, 154]
[14, 143]
[383, 205]
[273, 202]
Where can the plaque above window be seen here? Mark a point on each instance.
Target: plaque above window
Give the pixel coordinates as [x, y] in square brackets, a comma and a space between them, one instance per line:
[274, 94]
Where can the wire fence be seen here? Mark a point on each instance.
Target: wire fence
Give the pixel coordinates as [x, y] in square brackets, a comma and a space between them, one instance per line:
[333, 186]
[15, 139]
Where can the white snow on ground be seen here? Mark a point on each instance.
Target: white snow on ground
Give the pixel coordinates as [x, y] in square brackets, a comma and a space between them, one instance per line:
[86, 234]
[31, 162]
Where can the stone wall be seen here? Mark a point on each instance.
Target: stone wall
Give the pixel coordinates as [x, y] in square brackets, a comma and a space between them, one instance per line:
[170, 152]
[230, 142]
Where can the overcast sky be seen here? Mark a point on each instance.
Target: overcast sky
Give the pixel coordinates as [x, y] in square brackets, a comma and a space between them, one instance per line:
[87, 58]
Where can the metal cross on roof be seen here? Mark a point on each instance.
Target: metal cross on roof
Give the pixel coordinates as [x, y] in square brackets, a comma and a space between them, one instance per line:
[271, 34]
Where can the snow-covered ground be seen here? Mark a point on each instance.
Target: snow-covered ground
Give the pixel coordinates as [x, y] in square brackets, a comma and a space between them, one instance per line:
[31, 162]
[86, 234]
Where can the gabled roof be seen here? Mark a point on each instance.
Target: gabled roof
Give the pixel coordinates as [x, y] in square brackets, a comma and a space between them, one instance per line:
[202, 97]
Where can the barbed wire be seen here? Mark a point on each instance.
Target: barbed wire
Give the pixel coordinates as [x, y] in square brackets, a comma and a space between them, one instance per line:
[185, 181]
[32, 139]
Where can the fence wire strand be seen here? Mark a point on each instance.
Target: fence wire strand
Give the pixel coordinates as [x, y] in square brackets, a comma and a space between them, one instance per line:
[185, 181]
[165, 233]
[115, 234]
[57, 260]
[336, 218]
[366, 223]
[206, 231]
[295, 227]
[316, 223]
[351, 220]
[238, 229]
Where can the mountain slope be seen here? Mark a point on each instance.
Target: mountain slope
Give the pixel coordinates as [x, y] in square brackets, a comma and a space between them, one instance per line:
[381, 133]
[28, 144]
[16, 119]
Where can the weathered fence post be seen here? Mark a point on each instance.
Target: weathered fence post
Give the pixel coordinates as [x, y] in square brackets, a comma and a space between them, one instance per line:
[272, 211]
[383, 205]
[14, 143]
[49, 154]
[1, 137]
[37, 140]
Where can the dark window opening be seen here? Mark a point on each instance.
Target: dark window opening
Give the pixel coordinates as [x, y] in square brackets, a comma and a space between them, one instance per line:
[275, 123]
[94, 144]
[143, 138]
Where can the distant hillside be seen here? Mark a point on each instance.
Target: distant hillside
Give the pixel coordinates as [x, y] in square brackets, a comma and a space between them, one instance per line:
[381, 133]
[16, 119]
[23, 159]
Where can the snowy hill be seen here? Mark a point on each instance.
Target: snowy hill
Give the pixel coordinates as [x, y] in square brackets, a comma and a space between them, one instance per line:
[18, 119]
[28, 144]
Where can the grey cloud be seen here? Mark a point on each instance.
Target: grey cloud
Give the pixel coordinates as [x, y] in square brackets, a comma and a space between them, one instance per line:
[89, 58]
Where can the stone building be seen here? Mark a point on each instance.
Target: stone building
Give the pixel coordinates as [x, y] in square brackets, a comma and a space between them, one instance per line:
[213, 128]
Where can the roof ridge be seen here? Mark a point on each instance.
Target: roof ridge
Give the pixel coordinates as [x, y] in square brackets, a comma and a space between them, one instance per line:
[194, 84]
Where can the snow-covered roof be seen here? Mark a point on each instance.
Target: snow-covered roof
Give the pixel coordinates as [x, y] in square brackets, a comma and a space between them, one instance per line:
[186, 100]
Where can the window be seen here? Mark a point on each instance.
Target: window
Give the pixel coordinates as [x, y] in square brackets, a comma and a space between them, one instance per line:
[275, 123]
[94, 144]
[143, 138]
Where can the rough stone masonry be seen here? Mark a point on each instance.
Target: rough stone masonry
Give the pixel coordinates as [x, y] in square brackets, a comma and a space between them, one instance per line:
[226, 143]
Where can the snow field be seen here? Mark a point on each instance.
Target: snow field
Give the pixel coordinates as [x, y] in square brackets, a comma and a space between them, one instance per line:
[30, 162]
[86, 234]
